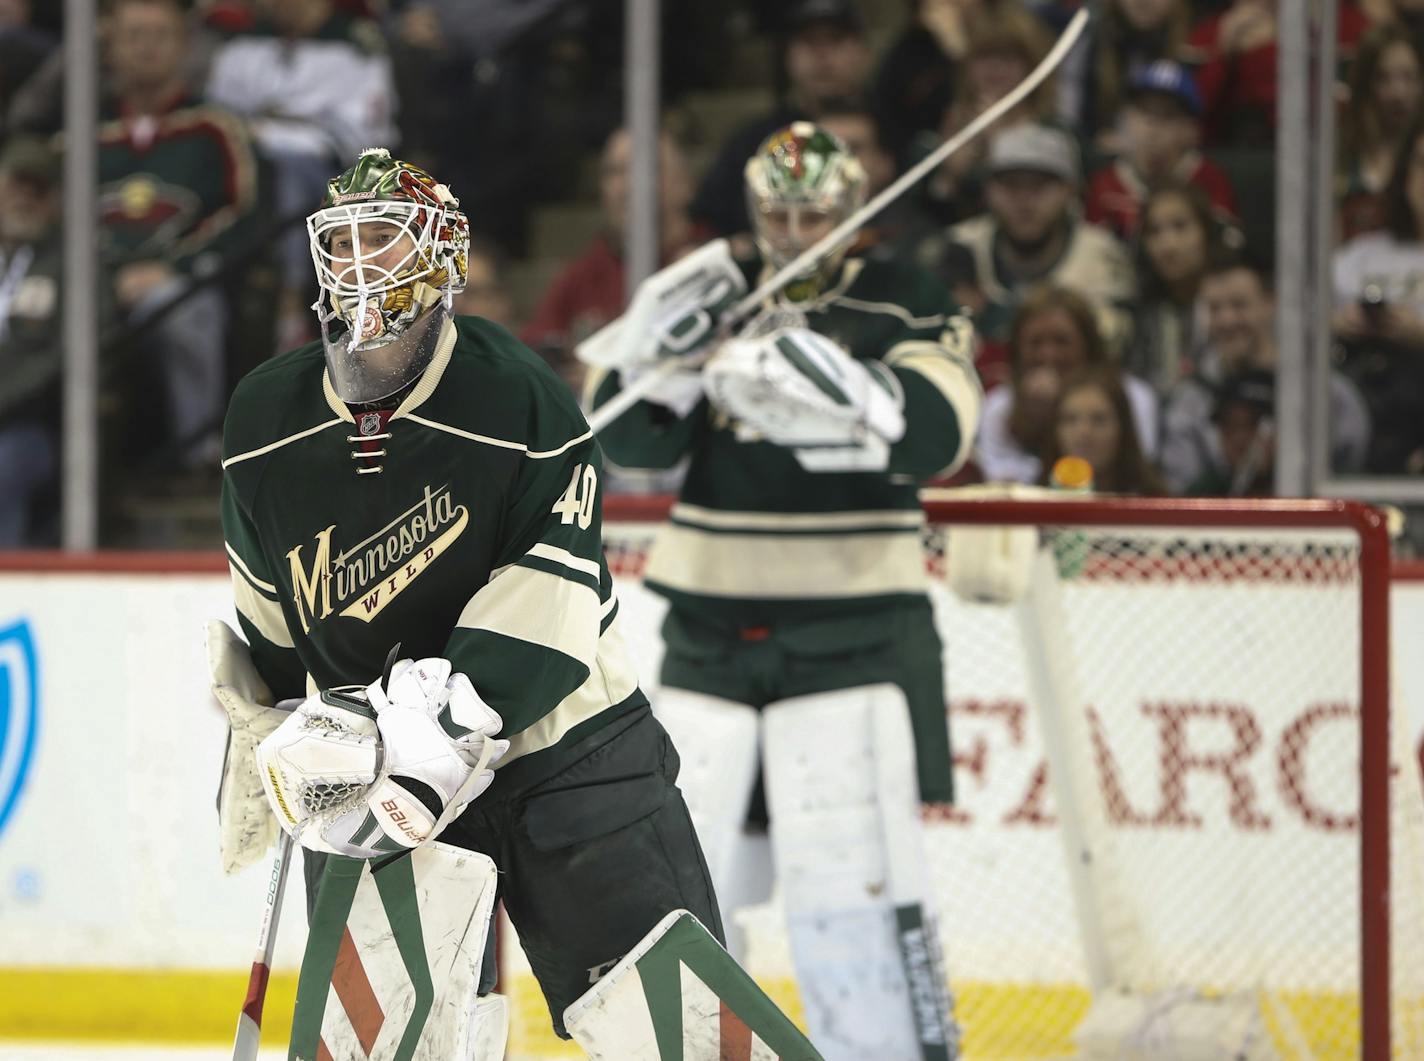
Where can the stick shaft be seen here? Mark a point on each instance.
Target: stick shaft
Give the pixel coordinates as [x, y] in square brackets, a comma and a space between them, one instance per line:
[807, 259]
[249, 1021]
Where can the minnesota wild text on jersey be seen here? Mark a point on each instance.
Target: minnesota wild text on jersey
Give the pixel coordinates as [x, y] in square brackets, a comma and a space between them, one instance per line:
[479, 539]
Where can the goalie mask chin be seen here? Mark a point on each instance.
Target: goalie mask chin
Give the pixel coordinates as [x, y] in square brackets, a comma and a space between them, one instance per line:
[391, 250]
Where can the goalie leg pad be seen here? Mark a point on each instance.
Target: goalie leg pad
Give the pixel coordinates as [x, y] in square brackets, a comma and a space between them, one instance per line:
[393, 960]
[845, 833]
[716, 741]
[678, 994]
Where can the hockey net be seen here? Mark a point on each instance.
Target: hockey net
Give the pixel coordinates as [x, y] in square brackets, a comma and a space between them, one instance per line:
[1225, 859]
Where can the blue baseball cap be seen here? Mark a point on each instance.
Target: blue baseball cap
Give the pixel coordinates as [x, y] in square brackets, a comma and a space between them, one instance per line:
[1167, 78]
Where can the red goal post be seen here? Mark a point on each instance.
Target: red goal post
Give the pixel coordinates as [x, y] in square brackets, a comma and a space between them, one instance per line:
[1291, 552]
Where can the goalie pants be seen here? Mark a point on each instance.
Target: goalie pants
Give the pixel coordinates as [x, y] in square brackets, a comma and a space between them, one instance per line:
[760, 665]
[594, 845]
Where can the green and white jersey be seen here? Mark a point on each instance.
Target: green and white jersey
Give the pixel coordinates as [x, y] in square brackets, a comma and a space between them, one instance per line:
[754, 538]
[479, 539]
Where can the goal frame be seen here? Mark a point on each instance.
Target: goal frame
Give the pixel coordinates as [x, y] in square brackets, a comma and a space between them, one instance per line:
[1370, 525]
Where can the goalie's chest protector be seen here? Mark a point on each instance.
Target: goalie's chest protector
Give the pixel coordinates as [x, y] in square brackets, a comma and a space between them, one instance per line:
[360, 558]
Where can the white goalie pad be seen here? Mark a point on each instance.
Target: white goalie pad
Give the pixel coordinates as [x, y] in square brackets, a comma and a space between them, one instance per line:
[246, 826]
[678, 994]
[717, 742]
[393, 958]
[843, 798]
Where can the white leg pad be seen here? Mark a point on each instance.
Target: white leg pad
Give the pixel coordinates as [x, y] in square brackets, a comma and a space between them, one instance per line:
[678, 994]
[716, 740]
[432, 907]
[845, 832]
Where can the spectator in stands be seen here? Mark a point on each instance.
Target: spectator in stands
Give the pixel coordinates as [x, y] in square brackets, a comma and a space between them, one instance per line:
[1180, 233]
[1005, 43]
[1385, 94]
[1235, 52]
[1243, 422]
[30, 353]
[486, 294]
[1160, 131]
[1379, 313]
[1129, 35]
[590, 291]
[1054, 334]
[1032, 234]
[826, 58]
[316, 85]
[177, 180]
[915, 81]
[23, 49]
[1093, 419]
[1240, 319]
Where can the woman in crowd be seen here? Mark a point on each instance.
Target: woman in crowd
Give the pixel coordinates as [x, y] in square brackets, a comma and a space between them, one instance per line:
[1180, 233]
[1054, 334]
[1092, 419]
[1385, 92]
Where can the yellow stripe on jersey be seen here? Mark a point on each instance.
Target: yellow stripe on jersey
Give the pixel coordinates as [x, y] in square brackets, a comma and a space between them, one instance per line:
[540, 608]
[611, 681]
[258, 609]
[951, 375]
[786, 566]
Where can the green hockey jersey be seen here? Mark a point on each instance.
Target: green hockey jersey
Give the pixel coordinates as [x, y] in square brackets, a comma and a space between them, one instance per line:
[756, 539]
[466, 524]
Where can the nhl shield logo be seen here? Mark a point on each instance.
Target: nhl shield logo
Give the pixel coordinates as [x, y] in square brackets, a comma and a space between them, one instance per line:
[370, 423]
[19, 713]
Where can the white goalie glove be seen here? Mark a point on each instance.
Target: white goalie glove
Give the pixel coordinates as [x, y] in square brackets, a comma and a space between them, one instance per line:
[245, 823]
[797, 388]
[372, 772]
[673, 314]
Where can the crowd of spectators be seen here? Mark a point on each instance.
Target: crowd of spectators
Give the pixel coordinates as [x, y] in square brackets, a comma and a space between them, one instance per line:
[1112, 236]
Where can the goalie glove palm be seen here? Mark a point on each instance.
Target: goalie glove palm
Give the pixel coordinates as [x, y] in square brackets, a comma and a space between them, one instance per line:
[797, 388]
[380, 770]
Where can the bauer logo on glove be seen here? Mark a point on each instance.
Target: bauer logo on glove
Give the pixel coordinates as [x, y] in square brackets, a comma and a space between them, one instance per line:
[377, 771]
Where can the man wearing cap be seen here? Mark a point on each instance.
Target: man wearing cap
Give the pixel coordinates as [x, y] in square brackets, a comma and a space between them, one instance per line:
[826, 58]
[29, 336]
[1161, 122]
[1032, 234]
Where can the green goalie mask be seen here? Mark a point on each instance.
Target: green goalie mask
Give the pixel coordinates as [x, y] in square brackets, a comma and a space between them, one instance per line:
[390, 246]
[801, 183]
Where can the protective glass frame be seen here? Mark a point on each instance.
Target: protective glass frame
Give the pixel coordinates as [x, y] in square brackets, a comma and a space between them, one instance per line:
[414, 221]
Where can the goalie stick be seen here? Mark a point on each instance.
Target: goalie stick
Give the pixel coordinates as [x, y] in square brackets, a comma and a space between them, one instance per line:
[249, 1021]
[645, 384]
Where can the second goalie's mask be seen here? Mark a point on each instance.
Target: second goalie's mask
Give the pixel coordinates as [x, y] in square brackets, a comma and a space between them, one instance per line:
[391, 249]
[802, 182]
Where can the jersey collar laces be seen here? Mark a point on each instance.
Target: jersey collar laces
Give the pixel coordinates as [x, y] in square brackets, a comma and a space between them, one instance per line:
[389, 245]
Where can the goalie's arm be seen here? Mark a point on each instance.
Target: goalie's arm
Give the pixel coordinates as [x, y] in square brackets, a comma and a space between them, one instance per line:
[933, 358]
[256, 597]
[648, 436]
[534, 640]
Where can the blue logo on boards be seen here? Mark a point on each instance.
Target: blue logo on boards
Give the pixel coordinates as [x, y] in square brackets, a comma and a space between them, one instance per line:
[19, 713]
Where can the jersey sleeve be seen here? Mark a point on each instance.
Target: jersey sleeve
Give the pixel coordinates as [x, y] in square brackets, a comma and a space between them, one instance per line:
[647, 436]
[933, 358]
[531, 639]
[255, 595]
